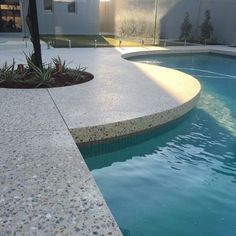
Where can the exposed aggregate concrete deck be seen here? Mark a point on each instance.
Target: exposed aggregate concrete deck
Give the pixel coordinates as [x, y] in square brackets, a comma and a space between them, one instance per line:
[46, 188]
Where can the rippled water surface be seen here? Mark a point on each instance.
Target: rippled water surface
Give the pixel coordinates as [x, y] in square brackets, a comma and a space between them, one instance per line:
[180, 180]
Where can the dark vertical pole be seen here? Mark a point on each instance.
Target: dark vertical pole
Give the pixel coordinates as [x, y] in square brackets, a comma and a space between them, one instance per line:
[198, 20]
[32, 21]
[155, 23]
[1, 22]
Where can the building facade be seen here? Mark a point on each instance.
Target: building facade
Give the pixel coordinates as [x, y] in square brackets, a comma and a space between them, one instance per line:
[54, 16]
[119, 16]
[11, 16]
[134, 15]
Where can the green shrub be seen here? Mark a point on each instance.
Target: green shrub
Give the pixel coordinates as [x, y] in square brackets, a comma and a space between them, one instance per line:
[186, 27]
[77, 73]
[36, 77]
[7, 72]
[207, 27]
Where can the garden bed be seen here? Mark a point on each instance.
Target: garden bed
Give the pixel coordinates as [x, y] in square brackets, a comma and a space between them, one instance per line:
[55, 74]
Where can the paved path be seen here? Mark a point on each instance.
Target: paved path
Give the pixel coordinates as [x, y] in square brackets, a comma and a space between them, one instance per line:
[45, 185]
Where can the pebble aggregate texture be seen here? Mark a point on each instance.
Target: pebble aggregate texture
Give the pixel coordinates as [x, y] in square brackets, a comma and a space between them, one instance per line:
[45, 185]
[46, 188]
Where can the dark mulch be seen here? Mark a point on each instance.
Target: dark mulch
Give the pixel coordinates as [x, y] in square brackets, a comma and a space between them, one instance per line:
[59, 80]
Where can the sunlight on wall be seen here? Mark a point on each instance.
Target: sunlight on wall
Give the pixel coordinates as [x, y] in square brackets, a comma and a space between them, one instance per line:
[132, 19]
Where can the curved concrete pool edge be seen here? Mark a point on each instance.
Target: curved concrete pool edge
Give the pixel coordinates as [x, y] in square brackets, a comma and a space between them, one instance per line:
[122, 128]
[146, 121]
[161, 52]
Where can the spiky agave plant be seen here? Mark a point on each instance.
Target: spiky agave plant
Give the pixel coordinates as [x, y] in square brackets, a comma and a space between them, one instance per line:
[40, 77]
[77, 73]
[58, 61]
[8, 72]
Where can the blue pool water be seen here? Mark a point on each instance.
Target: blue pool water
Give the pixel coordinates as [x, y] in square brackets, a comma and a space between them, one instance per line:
[180, 180]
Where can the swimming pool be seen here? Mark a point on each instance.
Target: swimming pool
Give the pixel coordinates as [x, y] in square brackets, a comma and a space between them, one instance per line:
[180, 180]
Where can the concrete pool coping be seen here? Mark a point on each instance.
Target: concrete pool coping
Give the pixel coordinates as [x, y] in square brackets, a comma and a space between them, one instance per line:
[46, 187]
[183, 90]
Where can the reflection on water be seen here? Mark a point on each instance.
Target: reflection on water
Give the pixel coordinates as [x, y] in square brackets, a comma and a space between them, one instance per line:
[181, 180]
[198, 140]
